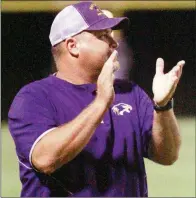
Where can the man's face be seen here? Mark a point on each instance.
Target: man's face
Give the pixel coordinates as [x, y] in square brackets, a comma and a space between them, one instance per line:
[96, 47]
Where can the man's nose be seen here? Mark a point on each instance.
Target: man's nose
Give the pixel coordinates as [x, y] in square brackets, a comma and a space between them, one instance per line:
[114, 44]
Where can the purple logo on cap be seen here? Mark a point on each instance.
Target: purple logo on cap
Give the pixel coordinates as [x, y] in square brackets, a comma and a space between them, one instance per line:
[93, 6]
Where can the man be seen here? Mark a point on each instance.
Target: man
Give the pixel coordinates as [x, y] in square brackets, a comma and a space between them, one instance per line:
[79, 133]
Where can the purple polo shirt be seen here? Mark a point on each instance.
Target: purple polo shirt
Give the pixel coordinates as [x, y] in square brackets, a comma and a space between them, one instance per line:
[111, 164]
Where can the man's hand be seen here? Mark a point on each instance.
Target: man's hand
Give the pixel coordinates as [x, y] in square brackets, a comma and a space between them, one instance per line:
[164, 85]
[105, 89]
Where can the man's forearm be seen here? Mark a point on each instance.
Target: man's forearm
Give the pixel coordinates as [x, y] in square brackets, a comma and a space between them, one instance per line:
[63, 143]
[166, 140]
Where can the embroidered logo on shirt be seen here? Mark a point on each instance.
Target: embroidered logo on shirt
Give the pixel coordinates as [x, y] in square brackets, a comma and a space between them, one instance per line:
[121, 108]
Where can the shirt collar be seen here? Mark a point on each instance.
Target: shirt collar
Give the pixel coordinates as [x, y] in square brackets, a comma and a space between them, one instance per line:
[90, 87]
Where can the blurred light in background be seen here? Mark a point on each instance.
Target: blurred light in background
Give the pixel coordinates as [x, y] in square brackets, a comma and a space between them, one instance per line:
[35, 6]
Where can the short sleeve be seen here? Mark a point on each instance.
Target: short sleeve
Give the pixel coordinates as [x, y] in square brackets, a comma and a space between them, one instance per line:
[146, 120]
[30, 117]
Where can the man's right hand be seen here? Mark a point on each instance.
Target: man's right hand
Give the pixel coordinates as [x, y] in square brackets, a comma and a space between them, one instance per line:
[105, 89]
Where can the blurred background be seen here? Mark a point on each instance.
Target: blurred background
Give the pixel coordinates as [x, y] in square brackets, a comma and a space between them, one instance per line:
[164, 29]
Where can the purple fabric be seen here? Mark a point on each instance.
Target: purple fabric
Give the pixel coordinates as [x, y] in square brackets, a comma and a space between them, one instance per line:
[113, 23]
[90, 12]
[111, 164]
[96, 19]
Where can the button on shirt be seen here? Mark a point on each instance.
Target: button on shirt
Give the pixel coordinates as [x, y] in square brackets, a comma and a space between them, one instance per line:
[111, 164]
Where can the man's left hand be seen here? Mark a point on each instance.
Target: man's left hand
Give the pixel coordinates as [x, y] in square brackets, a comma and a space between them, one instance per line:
[164, 85]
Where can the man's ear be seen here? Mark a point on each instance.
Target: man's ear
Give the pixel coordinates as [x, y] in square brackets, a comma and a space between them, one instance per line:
[72, 46]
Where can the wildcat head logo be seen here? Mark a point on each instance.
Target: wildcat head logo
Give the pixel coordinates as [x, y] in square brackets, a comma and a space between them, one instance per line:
[121, 108]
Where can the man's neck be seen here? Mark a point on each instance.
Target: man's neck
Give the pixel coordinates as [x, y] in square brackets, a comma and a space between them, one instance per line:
[76, 78]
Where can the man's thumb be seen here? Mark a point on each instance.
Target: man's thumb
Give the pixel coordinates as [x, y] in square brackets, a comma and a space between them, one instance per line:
[159, 66]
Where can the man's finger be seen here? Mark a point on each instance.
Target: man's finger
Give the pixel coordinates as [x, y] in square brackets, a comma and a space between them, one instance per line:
[177, 70]
[113, 56]
[182, 62]
[111, 65]
[116, 66]
[159, 66]
[180, 72]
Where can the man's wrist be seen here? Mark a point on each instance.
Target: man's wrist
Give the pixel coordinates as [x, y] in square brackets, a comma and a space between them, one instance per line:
[101, 103]
[166, 107]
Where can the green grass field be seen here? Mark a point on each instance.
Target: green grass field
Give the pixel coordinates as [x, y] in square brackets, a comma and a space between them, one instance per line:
[177, 180]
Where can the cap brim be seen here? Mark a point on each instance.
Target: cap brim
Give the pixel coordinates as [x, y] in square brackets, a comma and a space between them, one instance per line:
[110, 23]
